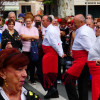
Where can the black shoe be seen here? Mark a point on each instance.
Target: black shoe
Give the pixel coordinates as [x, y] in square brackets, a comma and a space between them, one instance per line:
[52, 93]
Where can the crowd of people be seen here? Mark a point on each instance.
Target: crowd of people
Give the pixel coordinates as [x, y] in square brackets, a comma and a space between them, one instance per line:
[73, 39]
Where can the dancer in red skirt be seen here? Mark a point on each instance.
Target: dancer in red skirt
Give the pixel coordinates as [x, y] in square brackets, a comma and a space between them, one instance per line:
[94, 64]
[52, 47]
[84, 38]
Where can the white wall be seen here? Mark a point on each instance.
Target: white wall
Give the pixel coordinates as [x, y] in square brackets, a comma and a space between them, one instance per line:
[65, 8]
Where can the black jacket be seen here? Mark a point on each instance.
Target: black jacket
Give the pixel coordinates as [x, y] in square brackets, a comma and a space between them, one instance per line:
[14, 39]
[30, 96]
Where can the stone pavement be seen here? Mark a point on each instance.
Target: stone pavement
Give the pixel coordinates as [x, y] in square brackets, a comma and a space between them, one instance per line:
[37, 88]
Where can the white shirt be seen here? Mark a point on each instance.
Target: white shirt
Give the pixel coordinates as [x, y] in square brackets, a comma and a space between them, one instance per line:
[84, 38]
[94, 52]
[23, 97]
[17, 27]
[52, 38]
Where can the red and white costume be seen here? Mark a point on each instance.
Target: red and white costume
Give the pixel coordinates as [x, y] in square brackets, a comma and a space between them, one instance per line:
[84, 39]
[94, 54]
[52, 47]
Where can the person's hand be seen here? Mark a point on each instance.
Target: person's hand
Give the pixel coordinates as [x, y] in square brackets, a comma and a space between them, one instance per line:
[62, 33]
[98, 62]
[9, 45]
[64, 55]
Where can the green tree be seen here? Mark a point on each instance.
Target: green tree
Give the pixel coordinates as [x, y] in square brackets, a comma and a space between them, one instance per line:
[48, 1]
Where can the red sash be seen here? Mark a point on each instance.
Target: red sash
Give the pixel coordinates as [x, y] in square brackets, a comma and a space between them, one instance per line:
[80, 58]
[95, 73]
[50, 60]
[49, 66]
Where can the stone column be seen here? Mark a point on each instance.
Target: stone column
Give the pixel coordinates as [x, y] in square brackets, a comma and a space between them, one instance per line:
[65, 8]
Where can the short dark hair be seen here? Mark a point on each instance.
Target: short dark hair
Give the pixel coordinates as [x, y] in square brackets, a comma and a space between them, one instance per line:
[9, 21]
[12, 57]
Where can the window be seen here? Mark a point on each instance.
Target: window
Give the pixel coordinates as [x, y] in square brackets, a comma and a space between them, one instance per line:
[26, 9]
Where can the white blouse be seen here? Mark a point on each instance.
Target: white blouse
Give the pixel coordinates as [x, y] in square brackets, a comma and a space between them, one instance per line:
[52, 38]
[94, 52]
[84, 38]
[23, 97]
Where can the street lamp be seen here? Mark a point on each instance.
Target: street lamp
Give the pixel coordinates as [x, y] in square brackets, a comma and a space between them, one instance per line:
[86, 7]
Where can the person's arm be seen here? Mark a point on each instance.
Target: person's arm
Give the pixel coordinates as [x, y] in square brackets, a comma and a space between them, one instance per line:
[72, 40]
[5, 40]
[55, 42]
[26, 37]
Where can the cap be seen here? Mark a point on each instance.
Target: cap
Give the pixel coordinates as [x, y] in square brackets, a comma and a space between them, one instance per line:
[21, 15]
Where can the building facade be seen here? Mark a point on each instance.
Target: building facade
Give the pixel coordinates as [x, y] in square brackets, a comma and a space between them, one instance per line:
[62, 8]
[22, 6]
[87, 6]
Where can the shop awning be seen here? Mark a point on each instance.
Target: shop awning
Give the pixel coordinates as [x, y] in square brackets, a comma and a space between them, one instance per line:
[11, 8]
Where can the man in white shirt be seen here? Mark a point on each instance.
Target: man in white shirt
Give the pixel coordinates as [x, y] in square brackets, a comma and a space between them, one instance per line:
[84, 39]
[17, 26]
[52, 47]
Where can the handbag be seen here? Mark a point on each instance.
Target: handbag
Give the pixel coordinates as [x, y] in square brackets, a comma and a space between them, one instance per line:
[69, 61]
[34, 51]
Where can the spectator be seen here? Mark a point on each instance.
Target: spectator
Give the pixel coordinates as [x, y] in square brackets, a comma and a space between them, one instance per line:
[21, 15]
[17, 26]
[10, 37]
[13, 65]
[90, 23]
[21, 20]
[89, 16]
[28, 33]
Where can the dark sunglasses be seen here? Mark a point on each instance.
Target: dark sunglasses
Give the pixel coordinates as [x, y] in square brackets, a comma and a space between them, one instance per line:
[97, 27]
[95, 22]
[20, 22]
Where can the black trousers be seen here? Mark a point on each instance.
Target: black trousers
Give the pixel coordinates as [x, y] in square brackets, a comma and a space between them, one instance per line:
[31, 67]
[82, 86]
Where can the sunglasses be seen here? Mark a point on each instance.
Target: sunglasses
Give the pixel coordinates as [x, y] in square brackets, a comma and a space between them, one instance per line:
[20, 22]
[95, 22]
[97, 27]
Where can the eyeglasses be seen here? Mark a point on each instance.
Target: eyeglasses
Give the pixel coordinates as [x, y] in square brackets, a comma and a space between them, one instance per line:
[95, 22]
[97, 27]
[20, 22]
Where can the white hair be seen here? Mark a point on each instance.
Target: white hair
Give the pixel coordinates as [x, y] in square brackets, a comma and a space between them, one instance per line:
[11, 13]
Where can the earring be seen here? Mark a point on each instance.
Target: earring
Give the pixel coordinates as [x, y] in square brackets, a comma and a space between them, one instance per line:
[5, 82]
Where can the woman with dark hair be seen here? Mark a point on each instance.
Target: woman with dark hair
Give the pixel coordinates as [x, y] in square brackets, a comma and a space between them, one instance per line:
[10, 37]
[13, 65]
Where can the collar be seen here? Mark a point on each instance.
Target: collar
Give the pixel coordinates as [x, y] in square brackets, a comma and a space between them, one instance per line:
[48, 27]
[24, 91]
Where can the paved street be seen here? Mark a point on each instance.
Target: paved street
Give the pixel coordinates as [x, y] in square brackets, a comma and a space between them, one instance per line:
[37, 88]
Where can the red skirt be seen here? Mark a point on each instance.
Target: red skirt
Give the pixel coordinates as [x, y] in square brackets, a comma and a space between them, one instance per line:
[49, 65]
[95, 73]
[80, 59]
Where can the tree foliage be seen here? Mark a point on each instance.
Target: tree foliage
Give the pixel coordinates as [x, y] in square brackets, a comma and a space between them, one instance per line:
[48, 1]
